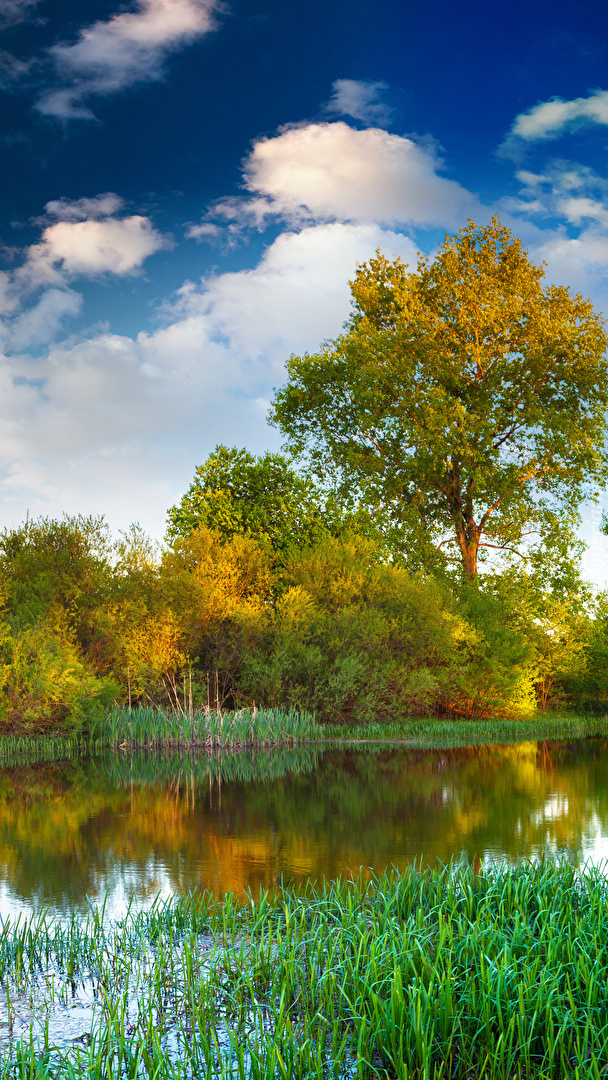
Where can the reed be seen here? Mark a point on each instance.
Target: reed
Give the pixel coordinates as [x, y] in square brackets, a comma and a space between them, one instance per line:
[211, 730]
[430, 975]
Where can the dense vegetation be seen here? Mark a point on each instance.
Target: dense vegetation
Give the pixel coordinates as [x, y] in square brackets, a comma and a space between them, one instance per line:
[462, 411]
[331, 627]
[449, 974]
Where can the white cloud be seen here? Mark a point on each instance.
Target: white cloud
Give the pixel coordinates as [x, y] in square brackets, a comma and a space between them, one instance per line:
[83, 240]
[573, 199]
[117, 425]
[565, 190]
[8, 300]
[42, 323]
[98, 206]
[581, 261]
[549, 119]
[91, 248]
[333, 172]
[298, 294]
[128, 48]
[362, 99]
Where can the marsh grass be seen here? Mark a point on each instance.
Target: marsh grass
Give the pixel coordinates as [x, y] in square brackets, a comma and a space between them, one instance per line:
[429, 975]
[212, 730]
[265, 729]
[430, 732]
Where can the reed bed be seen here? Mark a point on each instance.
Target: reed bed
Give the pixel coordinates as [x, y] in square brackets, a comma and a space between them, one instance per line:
[430, 975]
[153, 728]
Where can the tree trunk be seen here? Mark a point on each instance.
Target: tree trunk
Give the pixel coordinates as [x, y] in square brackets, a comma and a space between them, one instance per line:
[469, 559]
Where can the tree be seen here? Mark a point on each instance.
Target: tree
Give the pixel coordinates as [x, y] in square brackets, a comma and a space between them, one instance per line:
[464, 402]
[49, 565]
[234, 493]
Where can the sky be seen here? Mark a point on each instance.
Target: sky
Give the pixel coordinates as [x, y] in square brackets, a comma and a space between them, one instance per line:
[188, 185]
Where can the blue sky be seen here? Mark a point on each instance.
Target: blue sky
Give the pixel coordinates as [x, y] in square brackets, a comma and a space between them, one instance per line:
[187, 186]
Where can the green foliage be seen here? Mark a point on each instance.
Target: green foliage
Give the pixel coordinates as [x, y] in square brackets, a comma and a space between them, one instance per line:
[464, 403]
[234, 493]
[53, 570]
[587, 683]
[45, 685]
[217, 622]
[500, 674]
[357, 639]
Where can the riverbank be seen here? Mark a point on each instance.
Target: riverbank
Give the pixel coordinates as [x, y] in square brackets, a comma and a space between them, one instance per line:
[125, 730]
[495, 974]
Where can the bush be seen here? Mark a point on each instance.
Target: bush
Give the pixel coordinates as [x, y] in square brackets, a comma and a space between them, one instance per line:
[45, 686]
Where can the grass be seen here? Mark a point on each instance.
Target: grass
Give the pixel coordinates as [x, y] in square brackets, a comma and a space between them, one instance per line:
[431, 975]
[430, 732]
[211, 730]
[154, 729]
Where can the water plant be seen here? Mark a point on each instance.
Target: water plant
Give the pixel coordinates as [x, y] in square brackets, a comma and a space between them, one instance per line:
[212, 729]
[428, 975]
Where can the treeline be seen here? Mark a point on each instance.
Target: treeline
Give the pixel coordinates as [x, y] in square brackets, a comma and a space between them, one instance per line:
[300, 609]
[423, 560]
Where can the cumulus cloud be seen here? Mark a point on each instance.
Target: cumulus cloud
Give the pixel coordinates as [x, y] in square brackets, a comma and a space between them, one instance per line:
[362, 99]
[128, 48]
[117, 424]
[333, 172]
[84, 238]
[296, 296]
[90, 248]
[551, 118]
[581, 260]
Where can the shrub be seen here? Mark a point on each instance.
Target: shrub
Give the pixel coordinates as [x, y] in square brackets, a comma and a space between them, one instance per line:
[45, 686]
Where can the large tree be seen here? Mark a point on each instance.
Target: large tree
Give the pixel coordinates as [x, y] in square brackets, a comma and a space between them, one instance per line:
[464, 402]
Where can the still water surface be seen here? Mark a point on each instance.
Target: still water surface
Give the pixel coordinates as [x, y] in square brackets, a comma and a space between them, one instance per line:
[135, 827]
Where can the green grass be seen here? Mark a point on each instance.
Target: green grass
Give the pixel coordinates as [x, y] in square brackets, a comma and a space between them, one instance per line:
[429, 732]
[154, 729]
[432, 975]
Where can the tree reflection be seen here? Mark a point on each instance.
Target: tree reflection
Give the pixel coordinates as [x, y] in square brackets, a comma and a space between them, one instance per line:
[76, 829]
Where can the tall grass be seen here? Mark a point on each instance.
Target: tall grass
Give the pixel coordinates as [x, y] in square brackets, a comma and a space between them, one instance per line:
[431, 975]
[159, 730]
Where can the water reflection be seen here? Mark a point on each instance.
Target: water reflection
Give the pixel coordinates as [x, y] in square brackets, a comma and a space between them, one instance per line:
[137, 826]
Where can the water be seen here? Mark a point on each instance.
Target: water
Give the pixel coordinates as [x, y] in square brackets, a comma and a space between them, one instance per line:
[131, 828]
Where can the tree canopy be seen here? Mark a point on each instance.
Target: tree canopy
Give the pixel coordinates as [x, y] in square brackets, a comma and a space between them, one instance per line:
[464, 402]
[235, 493]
